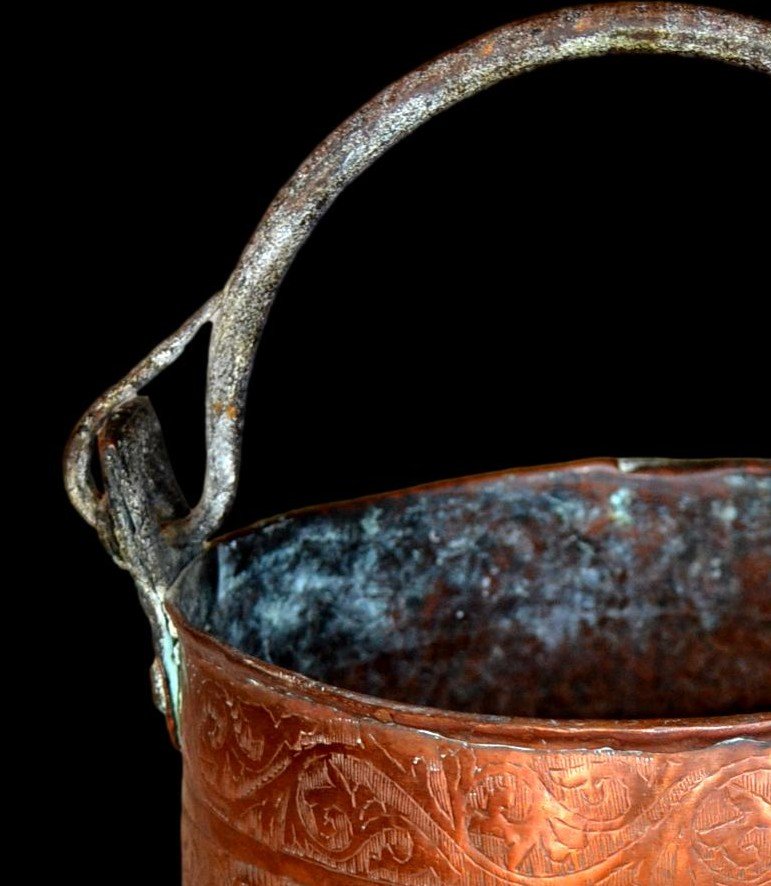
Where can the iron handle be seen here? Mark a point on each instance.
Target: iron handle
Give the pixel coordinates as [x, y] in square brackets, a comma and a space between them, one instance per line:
[238, 314]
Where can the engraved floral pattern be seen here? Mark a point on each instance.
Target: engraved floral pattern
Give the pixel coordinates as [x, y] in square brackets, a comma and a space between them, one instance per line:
[732, 826]
[362, 801]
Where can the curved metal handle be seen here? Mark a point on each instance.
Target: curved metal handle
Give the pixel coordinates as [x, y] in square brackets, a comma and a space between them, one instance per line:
[239, 313]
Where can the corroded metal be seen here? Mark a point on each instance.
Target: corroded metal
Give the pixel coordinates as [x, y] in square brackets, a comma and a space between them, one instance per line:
[369, 686]
[311, 639]
[238, 315]
[439, 630]
[576, 588]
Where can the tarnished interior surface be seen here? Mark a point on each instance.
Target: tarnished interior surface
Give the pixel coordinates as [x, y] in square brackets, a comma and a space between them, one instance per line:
[573, 591]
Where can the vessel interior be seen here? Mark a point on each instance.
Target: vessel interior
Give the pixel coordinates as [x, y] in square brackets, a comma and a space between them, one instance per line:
[583, 591]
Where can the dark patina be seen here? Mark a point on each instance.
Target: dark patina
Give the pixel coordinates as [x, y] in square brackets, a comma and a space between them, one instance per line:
[577, 590]
[557, 674]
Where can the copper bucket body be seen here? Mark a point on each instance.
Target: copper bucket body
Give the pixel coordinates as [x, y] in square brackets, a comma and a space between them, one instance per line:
[635, 600]
[548, 675]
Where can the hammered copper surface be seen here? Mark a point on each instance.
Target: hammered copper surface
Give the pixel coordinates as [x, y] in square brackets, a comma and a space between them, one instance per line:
[282, 786]
[584, 590]
[568, 591]
[508, 606]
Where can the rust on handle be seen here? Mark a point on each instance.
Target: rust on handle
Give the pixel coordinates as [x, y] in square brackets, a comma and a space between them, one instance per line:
[238, 314]
[558, 674]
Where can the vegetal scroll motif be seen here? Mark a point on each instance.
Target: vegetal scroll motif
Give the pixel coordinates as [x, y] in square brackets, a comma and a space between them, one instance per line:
[295, 787]
[732, 828]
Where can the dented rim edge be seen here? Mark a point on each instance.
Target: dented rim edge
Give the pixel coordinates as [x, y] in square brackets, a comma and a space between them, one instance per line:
[640, 734]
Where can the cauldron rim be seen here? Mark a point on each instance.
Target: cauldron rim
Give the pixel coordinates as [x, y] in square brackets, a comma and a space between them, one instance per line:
[640, 734]
[621, 466]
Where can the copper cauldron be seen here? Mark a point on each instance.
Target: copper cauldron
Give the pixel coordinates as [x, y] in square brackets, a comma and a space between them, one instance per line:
[362, 691]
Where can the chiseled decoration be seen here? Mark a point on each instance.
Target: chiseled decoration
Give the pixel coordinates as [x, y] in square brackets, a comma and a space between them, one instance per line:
[364, 692]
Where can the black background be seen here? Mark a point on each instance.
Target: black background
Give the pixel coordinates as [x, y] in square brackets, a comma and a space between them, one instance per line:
[571, 264]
